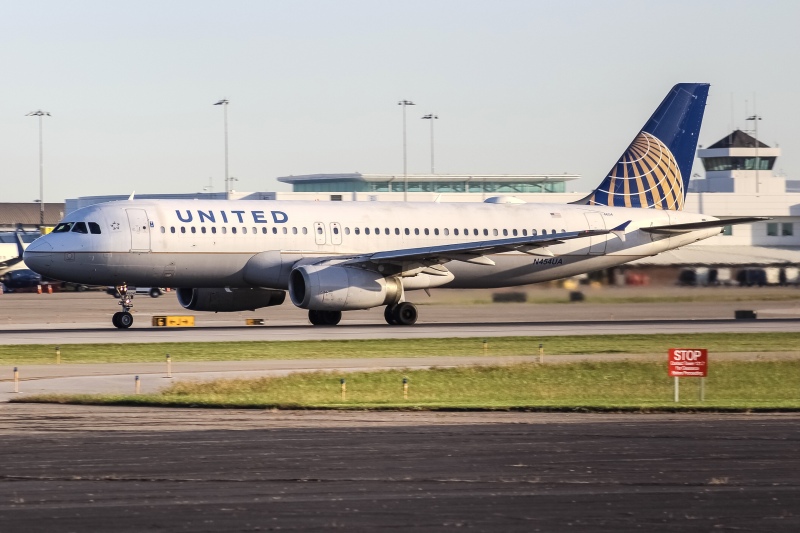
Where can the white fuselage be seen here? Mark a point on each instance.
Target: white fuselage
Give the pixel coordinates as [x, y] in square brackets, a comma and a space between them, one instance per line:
[232, 243]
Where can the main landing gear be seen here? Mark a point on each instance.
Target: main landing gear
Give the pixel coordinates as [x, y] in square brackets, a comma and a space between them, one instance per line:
[123, 319]
[402, 314]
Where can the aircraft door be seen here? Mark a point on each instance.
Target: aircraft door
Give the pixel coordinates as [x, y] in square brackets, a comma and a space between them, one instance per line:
[597, 244]
[336, 233]
[319, 232]
[140, 232]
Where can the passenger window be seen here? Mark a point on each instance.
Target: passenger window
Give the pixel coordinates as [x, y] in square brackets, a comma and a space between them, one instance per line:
[244, 231]
[64, 227]
[544, 232]
[194, 230]
[202, 229]
[319, 230]
[494, 232]
[386, 230]
[274, 230]
[397, 231]
[514, 232]
[285, 231]
[163, 229]
[213, 229]
[533, 232]
[553, 231]
[485, 232]
[377, 231]
[347, 231]
[466, 232]
[427, 232]
[436, 231]
[525, 232]
[264, 230]
[172, 229]
[505, 233]
[408, 232]
[358, 231]
[94, 228]
[255, 230]
[224, 230]
[446, 231]
[455, 231]
[294, 231]
[416, 231]
[335, 230]
[233, 230]
[366, 231]
[563, 230]
[183, 229]
[80, 227]
[305, 230]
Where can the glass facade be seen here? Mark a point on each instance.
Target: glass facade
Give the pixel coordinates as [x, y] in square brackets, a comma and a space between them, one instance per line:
[737, 163]
[474, 186]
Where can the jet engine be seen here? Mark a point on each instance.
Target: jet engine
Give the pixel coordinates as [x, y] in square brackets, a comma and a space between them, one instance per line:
[228, 300]
[337, 288]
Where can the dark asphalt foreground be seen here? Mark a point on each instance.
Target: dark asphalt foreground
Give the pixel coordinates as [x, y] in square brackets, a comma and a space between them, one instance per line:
[71, 468]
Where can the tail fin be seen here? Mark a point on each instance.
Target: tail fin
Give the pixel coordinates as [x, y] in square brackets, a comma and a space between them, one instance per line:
[655, 170]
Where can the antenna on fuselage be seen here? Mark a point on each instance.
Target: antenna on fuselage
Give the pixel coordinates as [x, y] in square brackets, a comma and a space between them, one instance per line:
[131, 196]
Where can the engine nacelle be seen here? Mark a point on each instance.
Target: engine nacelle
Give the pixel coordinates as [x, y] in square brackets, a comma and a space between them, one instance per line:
[229, 300]
[337, 288]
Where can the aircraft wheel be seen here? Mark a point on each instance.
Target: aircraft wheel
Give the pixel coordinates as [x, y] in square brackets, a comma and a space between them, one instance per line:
[315, 318]
[405, 314]
[125, 320]
[115, 319]
[388, 315]
[331, 318]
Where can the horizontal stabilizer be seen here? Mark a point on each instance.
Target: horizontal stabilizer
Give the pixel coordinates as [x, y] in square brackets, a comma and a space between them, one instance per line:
[675, 229]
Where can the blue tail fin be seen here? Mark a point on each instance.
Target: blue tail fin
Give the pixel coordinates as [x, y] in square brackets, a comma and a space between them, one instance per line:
[655, 169]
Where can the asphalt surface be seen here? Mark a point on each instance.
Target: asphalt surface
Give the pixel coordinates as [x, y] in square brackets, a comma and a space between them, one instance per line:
[85, 317]
[70, 468]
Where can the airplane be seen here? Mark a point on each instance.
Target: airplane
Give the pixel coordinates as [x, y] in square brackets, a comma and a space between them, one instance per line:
[11, 255]
[340, 256]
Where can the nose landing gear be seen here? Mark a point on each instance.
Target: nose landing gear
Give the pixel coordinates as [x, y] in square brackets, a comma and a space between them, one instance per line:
[123, 319]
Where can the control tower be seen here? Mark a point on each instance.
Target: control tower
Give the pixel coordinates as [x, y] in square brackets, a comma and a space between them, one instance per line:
[739, 163]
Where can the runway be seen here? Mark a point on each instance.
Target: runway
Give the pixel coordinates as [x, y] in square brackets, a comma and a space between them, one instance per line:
[85, 318]
[72, 468]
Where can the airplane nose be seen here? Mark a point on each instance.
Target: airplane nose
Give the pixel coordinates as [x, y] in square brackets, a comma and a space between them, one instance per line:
[38, 256]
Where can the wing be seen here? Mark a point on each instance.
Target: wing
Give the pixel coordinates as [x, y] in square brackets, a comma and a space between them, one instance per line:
[693, 226]
[477, 251]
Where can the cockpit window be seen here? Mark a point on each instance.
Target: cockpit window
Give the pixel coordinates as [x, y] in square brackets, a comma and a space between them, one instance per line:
[64, 227]
[94, 228]
[79, 227]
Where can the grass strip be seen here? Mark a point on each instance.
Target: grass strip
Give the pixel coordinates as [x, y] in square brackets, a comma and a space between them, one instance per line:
[585, 386]
[13, 355]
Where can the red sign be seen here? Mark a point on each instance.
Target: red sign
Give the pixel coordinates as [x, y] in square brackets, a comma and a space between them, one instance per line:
[688, 362]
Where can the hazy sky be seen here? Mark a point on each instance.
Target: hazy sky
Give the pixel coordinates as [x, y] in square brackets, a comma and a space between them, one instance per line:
[519, 86]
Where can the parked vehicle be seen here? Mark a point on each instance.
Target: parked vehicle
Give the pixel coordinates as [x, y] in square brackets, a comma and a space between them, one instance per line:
[153, 292]
[21, 279]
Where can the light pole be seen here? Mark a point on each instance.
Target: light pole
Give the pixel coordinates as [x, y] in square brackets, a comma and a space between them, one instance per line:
[224, 103]
[755, 119]
[432, 117]
[40, 114]
[405, 103]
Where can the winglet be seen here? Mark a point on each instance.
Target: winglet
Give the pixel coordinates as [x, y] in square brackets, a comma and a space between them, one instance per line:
[619, 231]
[131, 196]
